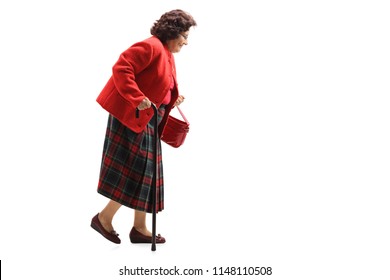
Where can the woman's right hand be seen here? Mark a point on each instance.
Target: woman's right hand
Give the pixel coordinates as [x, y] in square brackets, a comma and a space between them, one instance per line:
[145, 104]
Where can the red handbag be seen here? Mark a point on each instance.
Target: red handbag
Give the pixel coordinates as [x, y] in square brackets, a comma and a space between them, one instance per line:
[175, 130]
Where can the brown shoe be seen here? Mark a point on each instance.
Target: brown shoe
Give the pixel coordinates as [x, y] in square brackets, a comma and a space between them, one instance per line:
[137, 237]
[112, 236]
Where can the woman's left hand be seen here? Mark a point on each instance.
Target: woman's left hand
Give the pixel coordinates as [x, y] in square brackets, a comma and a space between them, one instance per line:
[179, 100]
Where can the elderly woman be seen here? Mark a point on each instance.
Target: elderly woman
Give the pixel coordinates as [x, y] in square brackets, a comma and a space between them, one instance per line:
[145, 73]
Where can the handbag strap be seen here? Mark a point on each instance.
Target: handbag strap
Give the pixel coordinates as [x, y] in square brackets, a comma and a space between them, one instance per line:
[184, 117]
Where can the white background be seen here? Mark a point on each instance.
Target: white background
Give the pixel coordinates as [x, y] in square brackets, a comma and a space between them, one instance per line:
[286, 164]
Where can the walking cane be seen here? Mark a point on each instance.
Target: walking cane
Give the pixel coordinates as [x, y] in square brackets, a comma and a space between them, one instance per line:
[154, 178]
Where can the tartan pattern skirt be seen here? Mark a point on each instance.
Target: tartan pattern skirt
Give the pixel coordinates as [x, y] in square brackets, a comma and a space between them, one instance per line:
[127, 166]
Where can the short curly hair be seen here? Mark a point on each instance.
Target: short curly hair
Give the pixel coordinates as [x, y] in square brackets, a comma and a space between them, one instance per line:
[171, 24]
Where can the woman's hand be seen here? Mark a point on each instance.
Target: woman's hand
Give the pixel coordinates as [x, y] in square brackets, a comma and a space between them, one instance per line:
[145, 104]
[179, 100]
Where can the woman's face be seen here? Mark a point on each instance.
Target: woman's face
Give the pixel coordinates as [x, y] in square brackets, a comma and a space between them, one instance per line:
[175, 45]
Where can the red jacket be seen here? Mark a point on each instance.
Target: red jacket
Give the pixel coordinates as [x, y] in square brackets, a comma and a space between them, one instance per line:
[144, 69]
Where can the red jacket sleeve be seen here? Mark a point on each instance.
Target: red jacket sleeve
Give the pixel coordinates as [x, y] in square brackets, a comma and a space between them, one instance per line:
[130, 63]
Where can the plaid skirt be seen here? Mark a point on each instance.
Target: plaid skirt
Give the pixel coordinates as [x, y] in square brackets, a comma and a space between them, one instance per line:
[127, 166]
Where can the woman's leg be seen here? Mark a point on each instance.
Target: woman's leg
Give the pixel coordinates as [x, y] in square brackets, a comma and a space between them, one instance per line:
[140, 223]
[107, 214]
